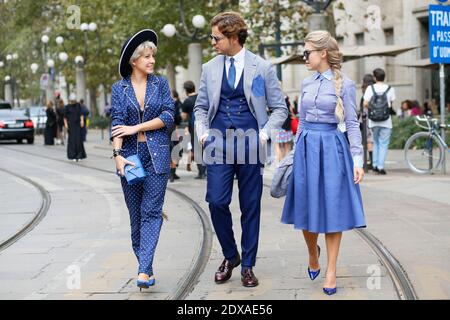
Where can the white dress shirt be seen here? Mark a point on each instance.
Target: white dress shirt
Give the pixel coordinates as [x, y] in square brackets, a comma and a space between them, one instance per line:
[239, 63]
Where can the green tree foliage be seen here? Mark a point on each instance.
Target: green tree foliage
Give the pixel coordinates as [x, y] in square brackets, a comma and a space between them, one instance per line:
[23, 23]
[263, 17]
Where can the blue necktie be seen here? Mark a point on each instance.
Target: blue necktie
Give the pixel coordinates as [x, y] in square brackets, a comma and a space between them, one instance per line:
[231, 74]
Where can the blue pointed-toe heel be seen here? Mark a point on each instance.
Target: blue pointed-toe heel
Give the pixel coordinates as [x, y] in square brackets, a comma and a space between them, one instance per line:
[314, 273]
[145, 284]
[329, 291]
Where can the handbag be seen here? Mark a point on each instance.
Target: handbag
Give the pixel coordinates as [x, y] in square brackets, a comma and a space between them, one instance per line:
[282, 176]
[134, 174]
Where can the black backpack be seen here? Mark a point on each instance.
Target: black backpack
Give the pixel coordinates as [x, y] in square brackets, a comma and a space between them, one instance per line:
[379, 106]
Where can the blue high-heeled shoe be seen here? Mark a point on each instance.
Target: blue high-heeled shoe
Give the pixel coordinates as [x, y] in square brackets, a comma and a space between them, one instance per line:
[329, 291]
[314, 273]
[145, 284]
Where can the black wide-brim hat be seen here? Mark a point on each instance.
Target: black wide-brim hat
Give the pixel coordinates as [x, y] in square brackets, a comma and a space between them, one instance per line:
[130, 45]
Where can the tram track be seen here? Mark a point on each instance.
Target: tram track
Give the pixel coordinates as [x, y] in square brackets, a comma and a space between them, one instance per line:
[39, 214]
[403, 286]
[189, 279]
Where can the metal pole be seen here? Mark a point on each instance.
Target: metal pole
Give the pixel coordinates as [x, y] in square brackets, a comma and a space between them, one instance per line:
[13, 86]
[17, 93]
[442, 94]
[278, 39]
[364, 136]
[430, 157]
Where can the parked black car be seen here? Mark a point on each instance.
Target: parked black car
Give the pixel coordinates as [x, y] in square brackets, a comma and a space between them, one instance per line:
[15, 125]
[5, 105]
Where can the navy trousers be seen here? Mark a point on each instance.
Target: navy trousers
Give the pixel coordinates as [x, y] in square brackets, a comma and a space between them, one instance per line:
[219, 192]
[145, 202]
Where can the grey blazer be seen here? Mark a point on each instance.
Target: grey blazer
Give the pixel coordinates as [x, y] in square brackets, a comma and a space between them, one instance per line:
[261, 88]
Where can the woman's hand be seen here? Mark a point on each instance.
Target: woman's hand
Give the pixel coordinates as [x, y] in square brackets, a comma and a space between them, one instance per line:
[121, 131]
[358, 173]
[120, 165]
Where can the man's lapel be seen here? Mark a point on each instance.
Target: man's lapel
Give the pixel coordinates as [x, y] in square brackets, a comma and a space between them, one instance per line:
[249, 73]
[216, 81]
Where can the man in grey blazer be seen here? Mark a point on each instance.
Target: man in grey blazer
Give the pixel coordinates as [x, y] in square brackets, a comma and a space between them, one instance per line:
[232, 124]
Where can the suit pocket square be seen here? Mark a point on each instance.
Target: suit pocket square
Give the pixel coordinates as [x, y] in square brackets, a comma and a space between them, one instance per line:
[258, 86]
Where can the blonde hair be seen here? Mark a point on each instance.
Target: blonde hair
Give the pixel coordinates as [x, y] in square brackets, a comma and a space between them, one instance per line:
[322, 40]
[139, 51]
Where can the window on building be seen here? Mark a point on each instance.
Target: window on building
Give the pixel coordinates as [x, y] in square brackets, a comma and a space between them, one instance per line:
[390, 61]
[360, 63]
[424, 32]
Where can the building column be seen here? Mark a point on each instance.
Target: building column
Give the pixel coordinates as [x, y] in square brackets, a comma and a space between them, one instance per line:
[80, 83]
[195, 62]
[8, 92]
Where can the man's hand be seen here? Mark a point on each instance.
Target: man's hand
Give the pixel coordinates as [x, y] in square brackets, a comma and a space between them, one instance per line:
[203, 138]
[263, 137]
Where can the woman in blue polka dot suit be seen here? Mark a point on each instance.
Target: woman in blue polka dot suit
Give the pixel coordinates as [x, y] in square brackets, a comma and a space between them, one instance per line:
[142, 112]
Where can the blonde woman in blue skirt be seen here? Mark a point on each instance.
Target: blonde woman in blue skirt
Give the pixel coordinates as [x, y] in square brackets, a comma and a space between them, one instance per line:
[323, 195]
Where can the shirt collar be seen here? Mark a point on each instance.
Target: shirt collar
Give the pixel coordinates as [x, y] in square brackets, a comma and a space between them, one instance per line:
[327, 75]
[238, 57]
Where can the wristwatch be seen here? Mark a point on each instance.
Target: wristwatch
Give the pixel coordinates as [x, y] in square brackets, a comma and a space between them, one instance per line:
[116, 152]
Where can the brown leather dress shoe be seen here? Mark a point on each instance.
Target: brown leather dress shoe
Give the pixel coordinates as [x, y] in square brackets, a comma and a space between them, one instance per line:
[224, 272]
[248, 278]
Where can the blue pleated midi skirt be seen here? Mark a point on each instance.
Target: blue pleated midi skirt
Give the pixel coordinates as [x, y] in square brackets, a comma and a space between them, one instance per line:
[321, 196]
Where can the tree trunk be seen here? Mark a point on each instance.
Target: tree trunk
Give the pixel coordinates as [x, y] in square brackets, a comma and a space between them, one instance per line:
[93, 101]
[171, 75]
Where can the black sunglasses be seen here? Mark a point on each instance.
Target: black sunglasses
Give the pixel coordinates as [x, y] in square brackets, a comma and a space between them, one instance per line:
[306, 53]
[215, 38]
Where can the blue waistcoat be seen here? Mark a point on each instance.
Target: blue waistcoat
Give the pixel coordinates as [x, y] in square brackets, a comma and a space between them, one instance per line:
[233, 111]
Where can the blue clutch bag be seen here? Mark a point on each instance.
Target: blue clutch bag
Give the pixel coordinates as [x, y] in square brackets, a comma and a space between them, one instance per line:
[134, 174]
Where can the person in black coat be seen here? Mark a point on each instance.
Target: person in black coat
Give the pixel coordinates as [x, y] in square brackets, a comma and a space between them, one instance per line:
[51, 125]
[74, 122]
